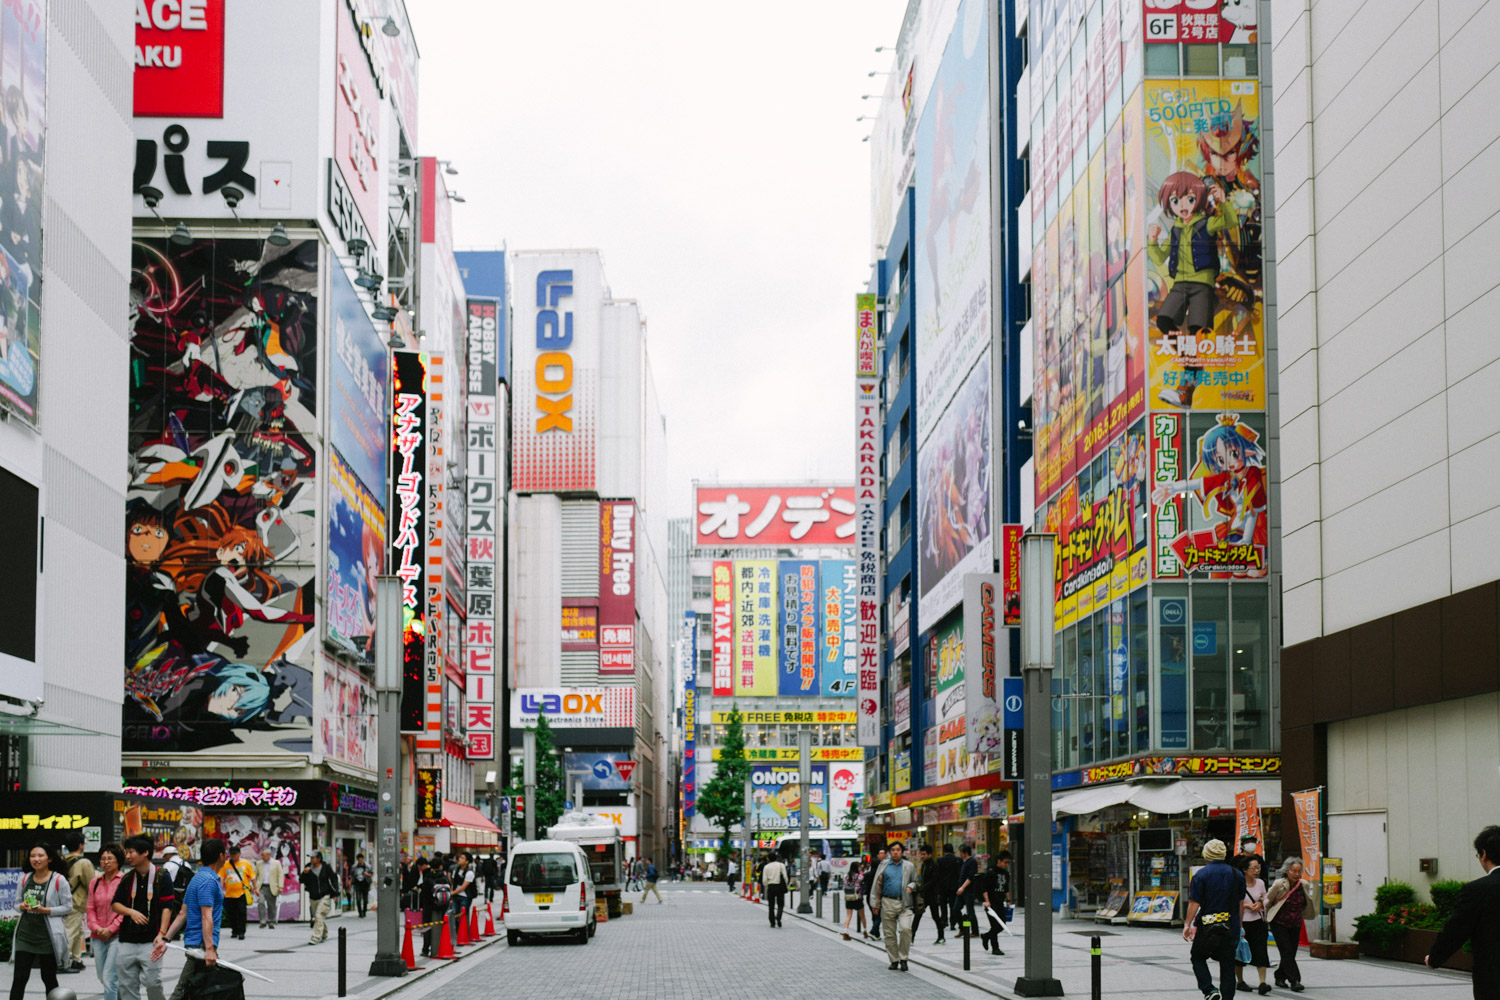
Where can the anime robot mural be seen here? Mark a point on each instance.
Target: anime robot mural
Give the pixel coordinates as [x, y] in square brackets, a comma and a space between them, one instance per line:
[221, 528]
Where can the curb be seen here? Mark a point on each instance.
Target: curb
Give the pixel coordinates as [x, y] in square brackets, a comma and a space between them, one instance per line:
[389, 985]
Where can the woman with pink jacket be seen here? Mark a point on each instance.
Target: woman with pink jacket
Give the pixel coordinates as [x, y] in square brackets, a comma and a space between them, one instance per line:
[104, 922]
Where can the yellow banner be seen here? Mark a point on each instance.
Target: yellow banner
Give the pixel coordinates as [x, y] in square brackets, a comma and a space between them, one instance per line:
[790, 753]
[788, 718]
[755, 627]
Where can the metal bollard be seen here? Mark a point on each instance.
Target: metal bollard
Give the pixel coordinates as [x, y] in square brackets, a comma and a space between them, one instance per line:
[343, 961]
[821, 894]
[1096, 958]
[836, 908]
[967, 925]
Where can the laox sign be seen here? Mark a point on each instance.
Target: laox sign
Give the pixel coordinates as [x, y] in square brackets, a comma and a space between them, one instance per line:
[552, 343]
[568, 704]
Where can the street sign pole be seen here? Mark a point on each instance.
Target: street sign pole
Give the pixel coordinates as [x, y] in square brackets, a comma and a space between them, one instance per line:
[528, 749]
[804, 775]
[388, 912]
[1036, 670]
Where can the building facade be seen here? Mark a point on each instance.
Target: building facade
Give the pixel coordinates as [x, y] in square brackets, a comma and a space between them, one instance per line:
[1385, 154]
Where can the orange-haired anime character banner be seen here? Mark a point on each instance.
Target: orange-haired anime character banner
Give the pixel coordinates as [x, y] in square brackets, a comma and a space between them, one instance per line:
[1209, 497]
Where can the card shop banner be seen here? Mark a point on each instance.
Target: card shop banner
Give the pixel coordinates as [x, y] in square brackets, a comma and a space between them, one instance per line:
[986, 661]
[1209, 496]
[408, 555]
[761, 516]
[481, 639]
[800, 627]
[755, 627]
[617, 586]
[723, 628]
[837, 603]
[867, 447]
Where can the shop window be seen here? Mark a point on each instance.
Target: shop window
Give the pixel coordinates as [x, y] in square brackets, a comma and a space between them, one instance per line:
[1170, 608]
[1086, 748]
[1060, 742]
[1251, 667]
[1118, 631]
[1200, 60]
[1140, 673]
[1210, 658]
[1070, 687]
[1241, 60]
[1161, 60]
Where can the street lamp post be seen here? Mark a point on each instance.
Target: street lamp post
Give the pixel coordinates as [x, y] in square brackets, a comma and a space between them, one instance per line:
[804, 775]
[388, 912]
[1036, 668]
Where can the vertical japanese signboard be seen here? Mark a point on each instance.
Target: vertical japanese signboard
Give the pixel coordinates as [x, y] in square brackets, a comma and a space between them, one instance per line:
[481, 512]
[1309, 809]
[688, 653]
[798, 672]
[409, 527]
[867, 444]
[617, 582]
[432, 740]
[723, 628]
[755, 627]
[1010, 572]
[835, 602]
[985, 723]
[429, 796]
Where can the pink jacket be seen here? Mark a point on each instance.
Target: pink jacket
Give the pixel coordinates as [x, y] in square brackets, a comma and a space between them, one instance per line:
[101, 916]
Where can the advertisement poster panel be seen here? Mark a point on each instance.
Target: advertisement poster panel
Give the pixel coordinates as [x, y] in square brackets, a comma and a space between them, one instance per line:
[23, 77]
[1203, 240]
[222, 521]
[953, 498]
[356, 556]
[346, 715]
[953, 220]
[777, 797]
[410, 430]
[986, 661]
[837, 588]
[601, 771]
[723, 628]
[768, 516]
[800, 627]
[360, 371]
[755, 627]
[617, 579]
[1209, 496]
[278, 832]
[580, 626]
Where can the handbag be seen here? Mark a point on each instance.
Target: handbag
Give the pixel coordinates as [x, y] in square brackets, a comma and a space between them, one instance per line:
[1242, 950]
[216, 983]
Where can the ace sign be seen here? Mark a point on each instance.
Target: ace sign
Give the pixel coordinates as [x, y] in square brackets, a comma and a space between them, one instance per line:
[179, 58]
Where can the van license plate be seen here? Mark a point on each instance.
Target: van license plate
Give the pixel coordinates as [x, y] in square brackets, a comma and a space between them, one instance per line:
[542, 897]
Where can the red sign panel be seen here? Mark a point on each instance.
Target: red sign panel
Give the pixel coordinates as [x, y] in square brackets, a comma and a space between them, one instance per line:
[617, 582]
[723, 625]
[743, 516]
[179, 58]
[1010, 575]
[626, 768]
[1199, 21]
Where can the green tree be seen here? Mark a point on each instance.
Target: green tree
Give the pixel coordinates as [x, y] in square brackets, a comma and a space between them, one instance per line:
[722, 800]
[549, 779]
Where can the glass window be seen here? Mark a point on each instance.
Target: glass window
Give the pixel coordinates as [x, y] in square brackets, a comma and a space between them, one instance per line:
[1140, 674]
[1119, 678]
[1060, 741]
[1241, 60]
[1070, 687]
[1248, 631]
[1161, 60]
[1200, 60]
[1210, 657]
[1171, 612]
[1085, 686]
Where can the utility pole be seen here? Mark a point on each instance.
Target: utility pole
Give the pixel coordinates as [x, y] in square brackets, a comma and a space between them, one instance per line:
[528, 749]
[388, 742]
[804, 755]
[1036, 667]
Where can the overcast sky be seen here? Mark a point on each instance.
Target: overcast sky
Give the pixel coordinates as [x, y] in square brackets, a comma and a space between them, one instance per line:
[711, 152]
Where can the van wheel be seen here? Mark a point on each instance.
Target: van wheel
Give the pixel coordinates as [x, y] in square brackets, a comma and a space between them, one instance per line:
[583, 935]
[593, 926]
[512, 938]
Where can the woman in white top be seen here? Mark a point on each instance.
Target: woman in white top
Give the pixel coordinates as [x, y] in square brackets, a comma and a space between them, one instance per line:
[1253, 921]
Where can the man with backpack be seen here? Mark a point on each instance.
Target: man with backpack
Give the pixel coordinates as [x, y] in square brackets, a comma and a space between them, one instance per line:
[359, 881]
[651, 877]
[79, 871]
[434, 893]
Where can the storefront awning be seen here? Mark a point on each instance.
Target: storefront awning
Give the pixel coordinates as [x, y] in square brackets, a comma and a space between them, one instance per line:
[1082, 801]
[1167, 798]
[467, 826]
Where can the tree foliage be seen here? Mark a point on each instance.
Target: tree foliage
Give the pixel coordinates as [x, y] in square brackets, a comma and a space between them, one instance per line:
[722, 800]
[549, 779]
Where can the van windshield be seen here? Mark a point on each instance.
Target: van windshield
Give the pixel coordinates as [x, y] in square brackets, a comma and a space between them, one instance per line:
[543, 871]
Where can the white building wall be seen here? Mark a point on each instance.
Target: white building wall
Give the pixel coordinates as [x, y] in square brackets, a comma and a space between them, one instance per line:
[536, 590]
[621, 400]
[1388, 226]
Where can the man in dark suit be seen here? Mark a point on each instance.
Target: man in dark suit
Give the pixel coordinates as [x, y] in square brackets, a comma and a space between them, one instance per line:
[948, 868]
[1477, 919]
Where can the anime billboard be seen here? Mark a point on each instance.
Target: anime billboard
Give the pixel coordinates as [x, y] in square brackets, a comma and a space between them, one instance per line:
[1203, 240]
[356, 555]
[953, 498]
[346, 716]
[1209, 497]
[777, 797]
[23, 83]
[277, 832]
[221, 517]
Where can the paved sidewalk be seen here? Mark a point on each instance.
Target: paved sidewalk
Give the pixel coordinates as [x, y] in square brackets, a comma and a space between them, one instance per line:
[1148, 961]
[300, 970]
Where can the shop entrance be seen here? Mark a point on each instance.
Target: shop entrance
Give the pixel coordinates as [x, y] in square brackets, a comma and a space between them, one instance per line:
[1360, 839]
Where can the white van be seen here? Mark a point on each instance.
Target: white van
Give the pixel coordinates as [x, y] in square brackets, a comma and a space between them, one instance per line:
[548, 891]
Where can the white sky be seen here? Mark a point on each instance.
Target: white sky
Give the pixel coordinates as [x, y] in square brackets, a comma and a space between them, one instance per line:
[710, 150]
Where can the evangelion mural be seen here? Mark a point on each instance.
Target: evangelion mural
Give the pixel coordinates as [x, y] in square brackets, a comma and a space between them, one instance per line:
[221, 531]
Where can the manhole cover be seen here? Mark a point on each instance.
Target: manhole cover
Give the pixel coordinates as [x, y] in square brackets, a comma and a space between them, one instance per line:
[1094, 933]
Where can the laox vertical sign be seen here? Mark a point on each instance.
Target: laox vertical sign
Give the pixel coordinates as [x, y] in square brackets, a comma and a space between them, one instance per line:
[617, 583]
[868, 440]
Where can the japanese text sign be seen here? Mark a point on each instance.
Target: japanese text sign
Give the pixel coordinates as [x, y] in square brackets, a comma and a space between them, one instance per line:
[760, 516]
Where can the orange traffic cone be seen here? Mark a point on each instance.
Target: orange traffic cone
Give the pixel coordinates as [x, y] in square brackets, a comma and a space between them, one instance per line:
[1304, 942]
[408, 954]
[489, 920]
[445, 946]
[463, 931]
[473, 925]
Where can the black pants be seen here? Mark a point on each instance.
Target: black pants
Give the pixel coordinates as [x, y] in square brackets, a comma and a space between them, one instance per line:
[916, 917]
[430, 935]
[874, 914]
[234, 914]
[1215, 946]
[362, 897]
[940, 913]
[24, 960]
[963, 908]
[775, 902]
[1287, 941]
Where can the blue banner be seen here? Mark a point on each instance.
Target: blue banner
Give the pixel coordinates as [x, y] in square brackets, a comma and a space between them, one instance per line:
[357, 395]
[600, 771]
[839, 608]
[800, 628]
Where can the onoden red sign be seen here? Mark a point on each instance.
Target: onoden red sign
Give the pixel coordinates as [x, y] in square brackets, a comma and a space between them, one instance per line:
[741, 516]
[179, 58]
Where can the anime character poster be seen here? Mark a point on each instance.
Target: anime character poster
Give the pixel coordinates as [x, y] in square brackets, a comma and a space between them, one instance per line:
[281, 834]
[953, 497]
[23, 105]
[777, 797]
[221, 530]
[346, 715]
[1203, 240]
[356, 553]
[1209, 496]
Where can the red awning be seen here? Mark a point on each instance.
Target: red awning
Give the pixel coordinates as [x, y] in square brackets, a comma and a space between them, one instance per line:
[458, 814]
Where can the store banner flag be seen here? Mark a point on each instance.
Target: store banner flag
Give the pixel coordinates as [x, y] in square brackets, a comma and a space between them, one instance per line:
[836, 600]
[1308, 806]
[983, 593]
[1246, 817]
[723, 628]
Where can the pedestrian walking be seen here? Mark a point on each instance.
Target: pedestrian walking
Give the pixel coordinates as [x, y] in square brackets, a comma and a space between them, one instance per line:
[146, 899]
[103, 921]
[773, 880]
[948, 870]
[994, 893]
[490, 869]
[199, 917]
[1476, 919]
[322, 889]
[177, 869]
[424, 883]
[968, 888]
[1290, 900]
[822, 870]
[268, 880]
[464, 890]
[893, 883]
[874, 907]
[651, 877]
[1213, 920]
[235, 878]
[79, 871]
[360, 877]
[44, 901]
[854, 899]
[730, 872]
[1249, 852]
[921, 893]
[1253, 925]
